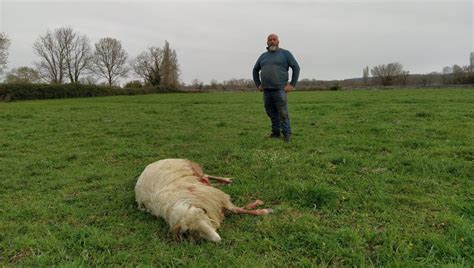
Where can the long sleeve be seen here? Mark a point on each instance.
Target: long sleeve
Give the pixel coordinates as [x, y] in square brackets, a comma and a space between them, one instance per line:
[295, 69]
[256, 73]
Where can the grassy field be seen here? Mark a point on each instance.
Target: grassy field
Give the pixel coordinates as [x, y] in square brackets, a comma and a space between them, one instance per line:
[370, 178]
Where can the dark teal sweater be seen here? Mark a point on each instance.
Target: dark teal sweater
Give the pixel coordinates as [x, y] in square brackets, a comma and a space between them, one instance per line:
[274, 69]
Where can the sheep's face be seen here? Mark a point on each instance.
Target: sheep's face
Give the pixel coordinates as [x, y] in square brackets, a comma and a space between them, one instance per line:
[195, 226]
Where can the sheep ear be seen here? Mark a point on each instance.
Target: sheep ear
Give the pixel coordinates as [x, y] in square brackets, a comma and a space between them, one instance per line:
[175, 231]
[178, 231]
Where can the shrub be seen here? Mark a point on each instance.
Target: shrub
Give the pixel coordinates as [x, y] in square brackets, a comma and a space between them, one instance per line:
[134, 84]
[335, 87]
[25, 91]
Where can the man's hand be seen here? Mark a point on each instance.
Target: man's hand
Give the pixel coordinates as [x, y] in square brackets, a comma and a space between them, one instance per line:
[288, 88]
[260, 88]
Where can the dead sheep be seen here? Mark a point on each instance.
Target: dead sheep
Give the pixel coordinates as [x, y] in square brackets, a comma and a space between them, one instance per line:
[178, 191]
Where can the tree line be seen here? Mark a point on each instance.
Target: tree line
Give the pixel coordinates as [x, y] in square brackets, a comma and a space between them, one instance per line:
[67, 56]
[391, 74]
[394, 74]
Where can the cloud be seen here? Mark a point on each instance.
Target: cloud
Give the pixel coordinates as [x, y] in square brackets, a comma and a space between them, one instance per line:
[222, 39]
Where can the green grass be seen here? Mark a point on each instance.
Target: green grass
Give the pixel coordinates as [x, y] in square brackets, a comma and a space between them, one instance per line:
[370, 178]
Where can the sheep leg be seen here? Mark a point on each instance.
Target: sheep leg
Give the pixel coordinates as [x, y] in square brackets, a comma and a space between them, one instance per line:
[238, 210]
[219, 179]
[253, 205]
[255, 212]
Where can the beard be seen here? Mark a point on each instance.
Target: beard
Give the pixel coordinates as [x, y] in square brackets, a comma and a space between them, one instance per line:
[273, 48]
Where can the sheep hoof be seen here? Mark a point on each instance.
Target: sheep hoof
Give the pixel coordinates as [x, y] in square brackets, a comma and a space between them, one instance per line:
[269, 210]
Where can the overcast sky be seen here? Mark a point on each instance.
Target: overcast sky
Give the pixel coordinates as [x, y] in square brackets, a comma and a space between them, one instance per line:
[222, 39]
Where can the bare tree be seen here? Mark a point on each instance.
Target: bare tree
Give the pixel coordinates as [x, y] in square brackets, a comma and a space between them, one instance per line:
[457, 69]
[429, 79]
[148, 65]
[169, 67]
[447, 70]
[403, 76]
[459, 74]
[197, 84]
[23, 74]
[214, 84]
[110, 59]
[446, 75]
[365, 75]
[51, 48]
[174, 70]
[78, 54]
[4, 44]
[166, 65]
[387, 73]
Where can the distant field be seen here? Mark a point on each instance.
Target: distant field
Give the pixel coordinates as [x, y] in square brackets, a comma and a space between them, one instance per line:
[370, 178]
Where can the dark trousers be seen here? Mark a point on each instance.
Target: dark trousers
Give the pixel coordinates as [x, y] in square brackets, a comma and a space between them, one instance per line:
[276, 106]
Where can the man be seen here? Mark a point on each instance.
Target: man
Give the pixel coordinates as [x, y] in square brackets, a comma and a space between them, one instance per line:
[270, 74]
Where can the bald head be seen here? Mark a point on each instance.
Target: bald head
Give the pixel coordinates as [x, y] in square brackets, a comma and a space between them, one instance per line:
[272, 42]
[272, 36]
